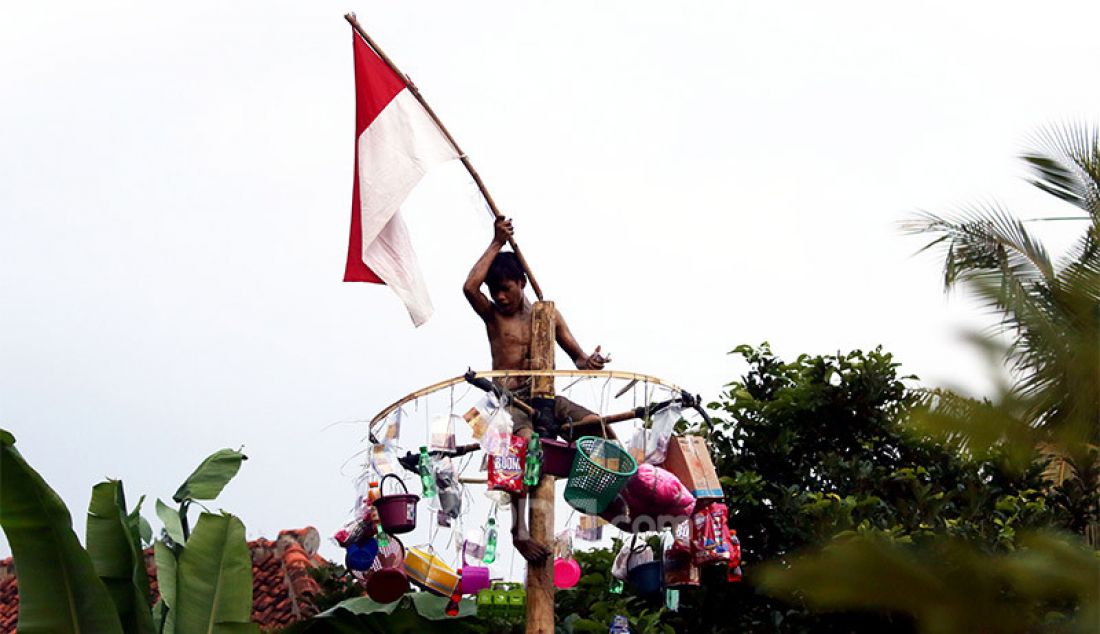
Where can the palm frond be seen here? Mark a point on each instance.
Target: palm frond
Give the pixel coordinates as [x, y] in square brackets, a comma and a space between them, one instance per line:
[984, 238]
[1066, 164]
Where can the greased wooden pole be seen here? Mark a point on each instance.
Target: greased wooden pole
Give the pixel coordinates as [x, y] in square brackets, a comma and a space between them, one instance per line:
[350, 17]
[540, 578]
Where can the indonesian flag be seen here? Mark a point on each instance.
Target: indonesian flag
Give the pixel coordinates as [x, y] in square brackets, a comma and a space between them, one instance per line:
[396, 142]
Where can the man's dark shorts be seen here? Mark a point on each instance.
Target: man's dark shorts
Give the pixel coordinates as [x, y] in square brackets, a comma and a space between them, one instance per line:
[565, 410]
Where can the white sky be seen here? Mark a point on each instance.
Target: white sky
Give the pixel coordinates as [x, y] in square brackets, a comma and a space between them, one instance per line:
[177, 186]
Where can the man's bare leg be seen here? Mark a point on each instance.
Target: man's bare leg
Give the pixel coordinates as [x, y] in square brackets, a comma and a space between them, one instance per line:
[521, 537]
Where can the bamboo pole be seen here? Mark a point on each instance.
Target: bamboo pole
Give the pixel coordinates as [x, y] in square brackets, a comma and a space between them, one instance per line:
[540, 576]
[350, 17]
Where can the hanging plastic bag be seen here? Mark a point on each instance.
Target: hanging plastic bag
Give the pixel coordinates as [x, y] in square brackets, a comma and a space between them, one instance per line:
[679, 568]
[443, 432]
[650, 445]
[383, 459]
[639, 554]
[477, 417]
[500, 498]
[589, 529]
[618, 566]
[498, 433]
[393, 426]
[450, 491]
[474, 544]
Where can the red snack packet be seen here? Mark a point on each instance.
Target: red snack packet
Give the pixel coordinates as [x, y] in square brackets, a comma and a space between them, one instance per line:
[506, 472]
[710, 534]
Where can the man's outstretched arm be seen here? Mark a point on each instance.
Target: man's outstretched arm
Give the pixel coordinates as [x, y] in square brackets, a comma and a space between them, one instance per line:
[502, 230]
[568, 343]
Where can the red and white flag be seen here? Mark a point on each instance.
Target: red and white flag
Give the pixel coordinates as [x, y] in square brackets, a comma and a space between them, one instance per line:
[396, 142]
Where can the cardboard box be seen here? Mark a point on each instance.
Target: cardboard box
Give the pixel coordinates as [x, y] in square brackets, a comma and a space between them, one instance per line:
[689, 460]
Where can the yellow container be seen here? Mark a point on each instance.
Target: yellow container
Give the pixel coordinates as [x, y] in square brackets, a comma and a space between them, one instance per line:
[430, 572]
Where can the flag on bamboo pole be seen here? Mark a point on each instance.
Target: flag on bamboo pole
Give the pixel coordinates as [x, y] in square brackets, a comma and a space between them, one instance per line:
[396, 143]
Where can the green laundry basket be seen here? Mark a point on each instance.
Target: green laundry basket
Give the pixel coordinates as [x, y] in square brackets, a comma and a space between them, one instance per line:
[600, 469]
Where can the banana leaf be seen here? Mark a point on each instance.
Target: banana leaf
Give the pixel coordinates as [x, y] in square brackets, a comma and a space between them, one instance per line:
[166, 585]
[214, 589]
[360, 615]
[114, 545]
[171, 520]
[59, 591]
[208, 480]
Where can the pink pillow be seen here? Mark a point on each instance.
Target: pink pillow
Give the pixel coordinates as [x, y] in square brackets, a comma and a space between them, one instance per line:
[655, 492]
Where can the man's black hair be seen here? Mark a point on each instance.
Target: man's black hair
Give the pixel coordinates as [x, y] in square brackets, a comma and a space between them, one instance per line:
[505, 266]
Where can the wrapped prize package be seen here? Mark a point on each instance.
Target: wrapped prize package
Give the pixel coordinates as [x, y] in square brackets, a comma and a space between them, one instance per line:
[657, 495]
[650, 445]
[383, 459]
[498, 433]
[450, 491]
[710, 534]
[506, 471]
[443, 432]
[589, 529]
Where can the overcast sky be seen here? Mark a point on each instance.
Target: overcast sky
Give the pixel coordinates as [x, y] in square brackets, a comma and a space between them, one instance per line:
[684, 178]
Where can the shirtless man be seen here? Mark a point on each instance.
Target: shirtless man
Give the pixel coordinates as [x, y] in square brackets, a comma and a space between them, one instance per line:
[507, 318]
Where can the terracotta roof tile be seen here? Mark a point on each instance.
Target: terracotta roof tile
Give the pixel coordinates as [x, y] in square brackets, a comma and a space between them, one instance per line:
[282, 588]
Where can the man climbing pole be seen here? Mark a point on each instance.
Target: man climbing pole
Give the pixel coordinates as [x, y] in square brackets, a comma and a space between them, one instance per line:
[507, 316]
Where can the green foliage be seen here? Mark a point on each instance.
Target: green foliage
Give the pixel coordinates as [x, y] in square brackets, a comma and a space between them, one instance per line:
[205, 577]
[114, 546]
[173, 525]
[950, 585]
[214, 586]
[336, 586]
[590, 606]
[414, 613]
[59, 590]
[167, 574]
[208, 480]
[1004, 577]
[819, 449]
[1049, 311]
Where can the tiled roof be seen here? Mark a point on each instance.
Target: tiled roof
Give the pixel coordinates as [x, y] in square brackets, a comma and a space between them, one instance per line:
[282, 588]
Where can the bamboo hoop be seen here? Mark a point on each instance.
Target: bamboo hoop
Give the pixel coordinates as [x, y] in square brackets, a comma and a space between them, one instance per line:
[496, 374]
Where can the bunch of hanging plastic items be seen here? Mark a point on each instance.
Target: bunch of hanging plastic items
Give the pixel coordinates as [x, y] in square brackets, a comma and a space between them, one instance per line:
[643, 487]
[385, 508]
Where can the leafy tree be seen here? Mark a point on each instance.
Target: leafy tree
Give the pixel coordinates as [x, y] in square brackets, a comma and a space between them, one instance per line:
[819, 447]
[1050, 312]
[1050, 315]
[204, 578]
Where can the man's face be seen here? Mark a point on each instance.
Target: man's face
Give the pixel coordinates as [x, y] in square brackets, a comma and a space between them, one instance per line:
[508, 296]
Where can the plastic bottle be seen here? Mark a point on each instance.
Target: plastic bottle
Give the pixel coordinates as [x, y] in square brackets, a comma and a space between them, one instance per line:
[733, 574]
[490, 542]
[427, 478]
[452, 605]
[619, 625]
[735, 548]
[672, 599]
[615, 585]
[381, 536]
[532, 471]
[374, 492]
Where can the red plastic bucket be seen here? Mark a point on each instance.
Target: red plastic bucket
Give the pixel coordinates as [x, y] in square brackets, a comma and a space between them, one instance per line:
[397, 512]
[386, 581]
[557, 457]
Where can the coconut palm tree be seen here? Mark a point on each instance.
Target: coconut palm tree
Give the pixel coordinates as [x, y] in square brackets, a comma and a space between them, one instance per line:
[1048, 310]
